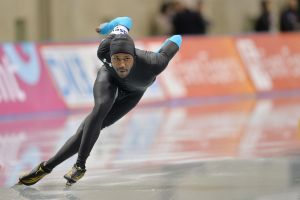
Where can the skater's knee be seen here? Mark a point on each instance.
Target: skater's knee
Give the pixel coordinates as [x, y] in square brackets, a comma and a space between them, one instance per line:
[104, 125]
[100, 110]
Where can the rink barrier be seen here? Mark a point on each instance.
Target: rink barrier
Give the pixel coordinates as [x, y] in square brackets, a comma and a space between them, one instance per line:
[49, 77]
[272, 61]
[25, 83]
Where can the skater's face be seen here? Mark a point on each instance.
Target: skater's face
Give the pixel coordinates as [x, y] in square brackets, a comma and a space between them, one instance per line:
[122, 63]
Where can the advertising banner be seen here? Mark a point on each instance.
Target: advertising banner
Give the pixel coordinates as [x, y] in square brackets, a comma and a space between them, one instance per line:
[54, 76]
[272, 61]
[73, 68]
[25, 85]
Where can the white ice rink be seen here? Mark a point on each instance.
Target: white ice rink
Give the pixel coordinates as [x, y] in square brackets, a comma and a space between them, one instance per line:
[243, 150]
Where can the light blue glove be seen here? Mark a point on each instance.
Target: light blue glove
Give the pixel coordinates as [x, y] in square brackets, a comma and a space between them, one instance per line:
[177, 39]
[106, 28]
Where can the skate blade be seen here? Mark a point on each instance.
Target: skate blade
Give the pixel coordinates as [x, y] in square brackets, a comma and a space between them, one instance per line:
[19, 183]
[69, 183]
[18, 186]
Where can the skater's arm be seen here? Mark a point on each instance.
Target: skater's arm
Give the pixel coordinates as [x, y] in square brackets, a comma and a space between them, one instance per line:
[108, 27]
[103, 52]
[159, 60]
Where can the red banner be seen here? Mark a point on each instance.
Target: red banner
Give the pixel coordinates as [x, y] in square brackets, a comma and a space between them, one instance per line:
[273, 61]
[25, 85]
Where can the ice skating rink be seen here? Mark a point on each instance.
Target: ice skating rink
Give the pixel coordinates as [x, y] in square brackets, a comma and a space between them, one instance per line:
[229, 150]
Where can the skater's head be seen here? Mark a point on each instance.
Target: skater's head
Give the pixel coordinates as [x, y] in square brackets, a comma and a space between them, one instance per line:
[122, 52]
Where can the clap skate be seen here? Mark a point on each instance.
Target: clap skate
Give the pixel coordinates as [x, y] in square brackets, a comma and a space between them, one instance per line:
[74, 175]
[34, 175]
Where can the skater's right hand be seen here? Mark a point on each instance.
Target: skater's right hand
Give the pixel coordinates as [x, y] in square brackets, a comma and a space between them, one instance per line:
[107, 27]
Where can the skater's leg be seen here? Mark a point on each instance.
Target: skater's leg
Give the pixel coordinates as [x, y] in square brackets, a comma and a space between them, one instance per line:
[67, 150]
[123, 104]
[104, 96]
[44, 168]
[71, 147]
[104, 92]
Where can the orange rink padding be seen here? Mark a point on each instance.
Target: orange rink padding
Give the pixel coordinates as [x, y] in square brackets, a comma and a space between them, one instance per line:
[272, 61]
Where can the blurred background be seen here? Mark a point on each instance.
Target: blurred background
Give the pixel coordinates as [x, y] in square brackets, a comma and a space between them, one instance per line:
[221, 122]
[63, 20]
